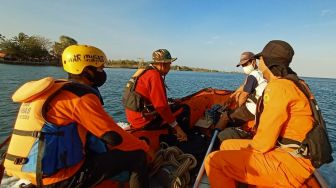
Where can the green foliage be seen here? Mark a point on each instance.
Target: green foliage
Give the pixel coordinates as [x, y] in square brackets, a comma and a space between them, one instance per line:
[123, 63]
[36, 48]
[23, 46]
[2, 37]
[58, 47]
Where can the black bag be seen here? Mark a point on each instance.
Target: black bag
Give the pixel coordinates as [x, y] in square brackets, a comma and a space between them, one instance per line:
[316, 145]
[131, 99]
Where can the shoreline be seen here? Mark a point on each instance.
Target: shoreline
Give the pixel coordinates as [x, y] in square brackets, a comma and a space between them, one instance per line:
[123, 66]
[10, 62]
[110, 65]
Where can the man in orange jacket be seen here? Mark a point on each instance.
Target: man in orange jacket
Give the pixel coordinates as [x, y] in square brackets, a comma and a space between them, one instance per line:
[78, 103]
[151, 87]
[286, 118]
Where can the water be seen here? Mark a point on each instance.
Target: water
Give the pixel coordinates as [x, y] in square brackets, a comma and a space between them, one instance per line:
[180, 84]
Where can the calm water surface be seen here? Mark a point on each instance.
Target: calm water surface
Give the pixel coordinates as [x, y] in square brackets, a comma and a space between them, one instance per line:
[180, 84]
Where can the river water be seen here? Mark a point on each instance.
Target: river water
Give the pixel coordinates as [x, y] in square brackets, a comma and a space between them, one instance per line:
[179, 83]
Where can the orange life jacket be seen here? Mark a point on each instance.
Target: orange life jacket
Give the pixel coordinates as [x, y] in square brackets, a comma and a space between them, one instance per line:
[39, 148]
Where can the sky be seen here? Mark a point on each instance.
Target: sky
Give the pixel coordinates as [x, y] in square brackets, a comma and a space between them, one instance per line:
[200, 33]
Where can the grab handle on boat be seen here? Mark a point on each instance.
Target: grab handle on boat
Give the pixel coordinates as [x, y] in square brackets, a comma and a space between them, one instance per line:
[201, 171]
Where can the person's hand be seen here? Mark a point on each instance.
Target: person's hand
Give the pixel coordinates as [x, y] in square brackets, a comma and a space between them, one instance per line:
[177, 100]
[174, 101]
[220, 126]
[235, 95]
[181, 136]
[222, 122]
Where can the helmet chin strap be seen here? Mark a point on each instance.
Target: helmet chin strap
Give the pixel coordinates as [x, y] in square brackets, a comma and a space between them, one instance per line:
[82, 78]
[86, 74]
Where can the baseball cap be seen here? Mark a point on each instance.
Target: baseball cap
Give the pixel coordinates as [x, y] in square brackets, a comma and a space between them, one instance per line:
[245, 57]
[276, 52]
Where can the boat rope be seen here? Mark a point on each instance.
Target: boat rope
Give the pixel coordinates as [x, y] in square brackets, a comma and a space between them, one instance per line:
[181, 162]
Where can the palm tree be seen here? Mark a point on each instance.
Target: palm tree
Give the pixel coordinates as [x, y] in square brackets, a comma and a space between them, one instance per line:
[2, 38]
[20, 39]
[58, 47]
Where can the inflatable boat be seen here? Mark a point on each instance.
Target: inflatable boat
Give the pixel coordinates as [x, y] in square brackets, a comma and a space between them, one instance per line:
[171, 165]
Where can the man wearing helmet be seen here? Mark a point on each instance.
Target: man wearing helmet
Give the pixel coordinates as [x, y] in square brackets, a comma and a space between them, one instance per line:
[149, 85]
[97, 148]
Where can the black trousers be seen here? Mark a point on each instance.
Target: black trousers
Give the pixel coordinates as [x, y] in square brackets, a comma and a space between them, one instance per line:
[234, 133]
[240, 116]
[237, 118]
[98, 167]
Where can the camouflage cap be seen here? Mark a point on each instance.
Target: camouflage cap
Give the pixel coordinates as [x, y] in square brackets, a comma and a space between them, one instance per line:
[162, 56]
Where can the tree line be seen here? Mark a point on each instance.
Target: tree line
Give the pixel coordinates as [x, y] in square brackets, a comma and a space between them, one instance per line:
[29, 48]
[32, 49]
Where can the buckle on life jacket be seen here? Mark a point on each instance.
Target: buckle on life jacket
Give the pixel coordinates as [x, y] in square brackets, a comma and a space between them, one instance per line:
[17, 160]
[303, 150]
[20, 161]
[36, 134]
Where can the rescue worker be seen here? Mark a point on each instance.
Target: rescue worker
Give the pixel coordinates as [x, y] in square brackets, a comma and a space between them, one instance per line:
[246, 97]
[149, 85]
[93, 149]
[285, 119]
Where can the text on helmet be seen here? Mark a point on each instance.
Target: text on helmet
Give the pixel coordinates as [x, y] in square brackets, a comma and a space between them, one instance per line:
[87, 57]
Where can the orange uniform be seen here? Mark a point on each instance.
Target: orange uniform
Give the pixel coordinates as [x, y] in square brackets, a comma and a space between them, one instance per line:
[90, 115]
[151, 86]
[259, 161]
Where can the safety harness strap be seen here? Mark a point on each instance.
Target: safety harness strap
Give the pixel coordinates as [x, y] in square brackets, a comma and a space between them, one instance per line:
[287, 141]
[41, 144]
[18, 160]
[35, 134]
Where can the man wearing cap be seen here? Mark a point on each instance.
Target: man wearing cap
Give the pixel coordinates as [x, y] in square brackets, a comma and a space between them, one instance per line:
[286, 117]
[246, 97]
[149, 84]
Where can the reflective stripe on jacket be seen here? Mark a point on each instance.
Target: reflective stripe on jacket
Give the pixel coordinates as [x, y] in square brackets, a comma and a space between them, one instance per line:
[75, 106]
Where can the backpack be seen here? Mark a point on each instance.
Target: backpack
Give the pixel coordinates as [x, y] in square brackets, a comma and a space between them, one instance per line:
[316, 145]
[132, 99]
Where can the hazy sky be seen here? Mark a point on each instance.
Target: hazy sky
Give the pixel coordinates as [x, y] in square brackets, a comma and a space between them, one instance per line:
[200, 33]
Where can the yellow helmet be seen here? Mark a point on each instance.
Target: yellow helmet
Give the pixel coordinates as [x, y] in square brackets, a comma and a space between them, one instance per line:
[76, 57]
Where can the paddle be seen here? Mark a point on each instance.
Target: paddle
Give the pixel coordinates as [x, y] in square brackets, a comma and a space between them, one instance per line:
[201, 171]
